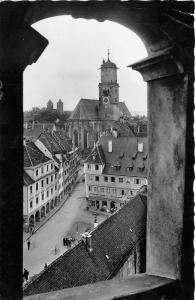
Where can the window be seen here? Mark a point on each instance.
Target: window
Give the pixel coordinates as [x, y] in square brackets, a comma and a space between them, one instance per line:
[136, 181]
[51, 178]
[31, 204]
[47, 193]
[106, 178]
[104, 203]
[51, 191]
[42, 196]
[90, 177]
[31, 189]
[121, 180]
[96, 167]
[51, 166]
[37, 186]
[112, 179]
[47, 180]
[108, 190]
[114, 191]
[96, 178]
[102, 190]
[42, 170]
[95, 188]
[89, 167]
[37, 200]
[55, 187]
[89, 188]
[122, 192]
[56, 176]
[37, 172]
[42, 183]
[131, 193]
[47, 168]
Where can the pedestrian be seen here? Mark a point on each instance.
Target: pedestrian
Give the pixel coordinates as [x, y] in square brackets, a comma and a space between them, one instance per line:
[28, 244]
[45, 267]
[25, 274]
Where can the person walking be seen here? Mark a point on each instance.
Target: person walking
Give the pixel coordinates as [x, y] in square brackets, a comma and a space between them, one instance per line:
[28, 244]
[25, 274]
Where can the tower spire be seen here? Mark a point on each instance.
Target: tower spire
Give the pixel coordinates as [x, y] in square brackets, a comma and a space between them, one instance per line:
[108, 54]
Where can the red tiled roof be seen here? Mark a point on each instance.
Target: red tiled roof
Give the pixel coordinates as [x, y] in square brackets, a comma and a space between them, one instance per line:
[112, 241]
[32, 155]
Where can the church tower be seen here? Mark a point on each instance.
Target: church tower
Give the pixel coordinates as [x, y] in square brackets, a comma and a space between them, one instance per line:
[108, 87]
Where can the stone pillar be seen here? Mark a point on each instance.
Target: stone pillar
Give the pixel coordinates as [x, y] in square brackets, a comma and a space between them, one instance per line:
[22, 47]
[167, 98]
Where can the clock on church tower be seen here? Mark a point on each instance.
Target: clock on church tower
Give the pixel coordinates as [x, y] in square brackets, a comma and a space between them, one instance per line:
[108, 87]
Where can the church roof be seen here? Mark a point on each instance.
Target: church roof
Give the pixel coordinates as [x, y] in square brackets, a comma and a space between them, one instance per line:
[88, 109]
[112, 243]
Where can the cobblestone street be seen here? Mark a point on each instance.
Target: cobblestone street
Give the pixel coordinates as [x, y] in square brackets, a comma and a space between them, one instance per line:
[70, 220]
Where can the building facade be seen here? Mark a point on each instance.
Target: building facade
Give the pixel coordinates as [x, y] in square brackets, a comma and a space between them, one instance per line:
[115, 171]
[40, 186]
[57, 146]
[91, 118]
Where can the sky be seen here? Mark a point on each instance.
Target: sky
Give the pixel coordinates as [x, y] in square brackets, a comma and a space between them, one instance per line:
[68, 69]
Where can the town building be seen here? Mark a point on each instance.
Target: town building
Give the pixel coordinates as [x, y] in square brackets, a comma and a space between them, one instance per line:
[115, 170]
[114, 249]
[40, 185]
[60, 106]
[92, 117]
[57, 146]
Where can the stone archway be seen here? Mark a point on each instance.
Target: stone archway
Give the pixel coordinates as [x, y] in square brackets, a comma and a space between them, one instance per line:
[52, 204]
[47, 208]
[37, 216]
[31, 220]
[42, 211]
[169, 73]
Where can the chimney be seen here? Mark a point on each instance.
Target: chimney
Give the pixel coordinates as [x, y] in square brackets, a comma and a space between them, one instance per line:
[114, 133]
[140, 147]
[87, 238]
[109, 146]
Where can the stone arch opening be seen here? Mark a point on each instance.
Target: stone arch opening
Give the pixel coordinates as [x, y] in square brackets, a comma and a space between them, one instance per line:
[52, 204]
[31, 220]
[47, 208]
[37, 216]
[42, 211]
[159, 39]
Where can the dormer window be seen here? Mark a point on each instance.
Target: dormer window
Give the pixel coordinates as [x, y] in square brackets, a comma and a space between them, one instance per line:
[141, 166]
[117, 166]
[134, 155]
[130, 166]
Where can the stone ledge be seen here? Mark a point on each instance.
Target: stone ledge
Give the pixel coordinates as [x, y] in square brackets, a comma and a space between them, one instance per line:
[137, 284]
